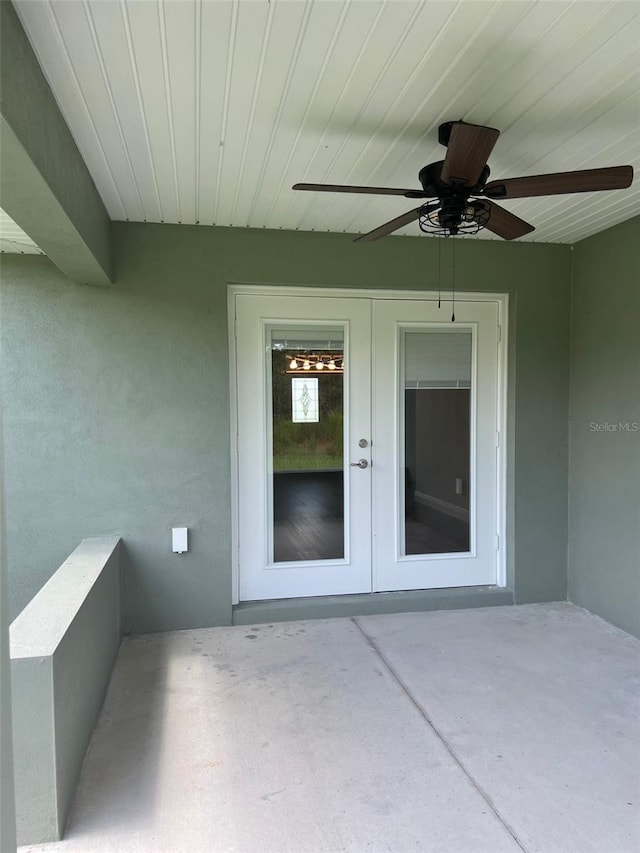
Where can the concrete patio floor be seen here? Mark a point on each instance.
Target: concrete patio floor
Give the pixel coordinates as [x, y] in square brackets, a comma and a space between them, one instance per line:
[500, 729]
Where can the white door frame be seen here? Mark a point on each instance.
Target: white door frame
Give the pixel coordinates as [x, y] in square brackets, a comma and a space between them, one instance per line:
[502, 300]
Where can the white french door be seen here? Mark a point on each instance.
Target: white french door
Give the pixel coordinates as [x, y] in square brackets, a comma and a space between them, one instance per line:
[367, 451]
[304, 519]
[435, 406]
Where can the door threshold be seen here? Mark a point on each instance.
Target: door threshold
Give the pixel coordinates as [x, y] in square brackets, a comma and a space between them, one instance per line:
[369, 604]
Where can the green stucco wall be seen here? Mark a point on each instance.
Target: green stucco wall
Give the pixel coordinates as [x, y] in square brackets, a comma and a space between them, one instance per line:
[117, 401]
[7, 801]
[604, 482]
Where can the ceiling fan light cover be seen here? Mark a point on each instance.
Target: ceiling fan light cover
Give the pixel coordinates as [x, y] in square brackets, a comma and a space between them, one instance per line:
[434, 219]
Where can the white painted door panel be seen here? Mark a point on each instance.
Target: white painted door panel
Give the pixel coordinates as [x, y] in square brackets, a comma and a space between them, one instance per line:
[393, 568]
[260, 576]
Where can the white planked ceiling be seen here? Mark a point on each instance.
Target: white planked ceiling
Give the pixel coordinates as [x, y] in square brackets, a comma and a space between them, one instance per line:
[13, 239]
[207, 112]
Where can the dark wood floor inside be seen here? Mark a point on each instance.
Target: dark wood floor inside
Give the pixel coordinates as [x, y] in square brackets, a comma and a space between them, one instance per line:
[308, 512]
[423, 538]
[308, 509]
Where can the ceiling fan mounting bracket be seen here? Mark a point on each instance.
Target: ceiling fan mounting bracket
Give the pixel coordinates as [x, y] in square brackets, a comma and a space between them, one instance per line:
[444, 132]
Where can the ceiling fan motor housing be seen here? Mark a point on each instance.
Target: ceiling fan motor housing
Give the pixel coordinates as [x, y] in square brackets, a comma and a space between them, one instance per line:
[435, 187]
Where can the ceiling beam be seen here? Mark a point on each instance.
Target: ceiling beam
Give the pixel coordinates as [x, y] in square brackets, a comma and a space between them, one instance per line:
[45, 185]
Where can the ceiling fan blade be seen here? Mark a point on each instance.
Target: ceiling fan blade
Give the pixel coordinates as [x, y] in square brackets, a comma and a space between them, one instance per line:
[505, 224]
[392, 225]
[467, 152]
[341, 188]
[584, 181]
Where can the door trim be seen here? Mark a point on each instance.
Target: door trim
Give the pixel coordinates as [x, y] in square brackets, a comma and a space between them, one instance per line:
[502, 300]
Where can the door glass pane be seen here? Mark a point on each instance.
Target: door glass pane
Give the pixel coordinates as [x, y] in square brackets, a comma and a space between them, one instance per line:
[307, 405]
[437, 390]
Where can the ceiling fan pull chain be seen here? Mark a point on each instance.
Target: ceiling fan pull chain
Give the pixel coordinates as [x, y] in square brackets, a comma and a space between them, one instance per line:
[439, 239]
[453, 301]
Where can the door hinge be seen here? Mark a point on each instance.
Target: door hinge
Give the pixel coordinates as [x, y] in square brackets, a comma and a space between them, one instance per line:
[497, 439]
[499, 333]
[235, 329]
[497, 542]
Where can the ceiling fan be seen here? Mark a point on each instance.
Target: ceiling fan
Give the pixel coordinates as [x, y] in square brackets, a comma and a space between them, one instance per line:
[460, 198]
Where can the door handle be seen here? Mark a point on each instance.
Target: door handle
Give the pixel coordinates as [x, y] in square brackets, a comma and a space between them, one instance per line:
[361, 463]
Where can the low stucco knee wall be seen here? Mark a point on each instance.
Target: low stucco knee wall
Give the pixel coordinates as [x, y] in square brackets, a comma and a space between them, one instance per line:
[63, 647]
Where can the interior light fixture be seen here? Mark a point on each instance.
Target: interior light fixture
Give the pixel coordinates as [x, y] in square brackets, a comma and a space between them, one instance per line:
[314, 363]
[451, 216]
